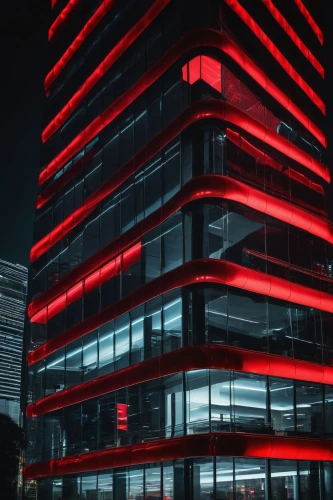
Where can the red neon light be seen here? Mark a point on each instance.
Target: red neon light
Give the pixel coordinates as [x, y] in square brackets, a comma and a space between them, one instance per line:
[205, 38]
[97, 278]
[122, 412]
[198, 445]
[118, 50]
[314, 26]
[62, 17]
[197, 271]
[196, 188]
[201, 110]
[293, 36]
[53, 2]
[265, 159]
[276, 53]
[102, 10]
[203, 357]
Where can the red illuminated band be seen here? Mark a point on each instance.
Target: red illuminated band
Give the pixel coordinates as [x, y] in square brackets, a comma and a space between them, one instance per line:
[194, 272]
[198, 445]
[279, 18]
[53, 2]
[276, 53]
[211, 186]
[195, 39]
[314, 26]
[102, 10]
[113, 56]
[62, 17]
[265, 159]
[114, 267]
[203, 357]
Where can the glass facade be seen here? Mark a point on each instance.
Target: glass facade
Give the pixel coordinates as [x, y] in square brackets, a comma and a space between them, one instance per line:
[180, 137]
[222, 478]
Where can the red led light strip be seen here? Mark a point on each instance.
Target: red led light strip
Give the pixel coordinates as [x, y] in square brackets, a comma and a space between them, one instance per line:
[213, 109]
[197, 271]
[195, 39]
[102, 10]
[62, 17]
[203, 357]
[293, 36]
[198, 445]
[197, 188]
[93, 280]
[276, 53]
[314, 26]
[118, 50]
[265, 159]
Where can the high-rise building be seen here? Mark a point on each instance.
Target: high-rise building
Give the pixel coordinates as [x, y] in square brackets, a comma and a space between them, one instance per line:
[13, 290]
[181, 299]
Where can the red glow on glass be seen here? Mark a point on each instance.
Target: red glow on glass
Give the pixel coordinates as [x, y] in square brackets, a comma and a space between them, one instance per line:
[203, 357]
[314, 26]
[197, 271]
[204, 37]
[102, 10]
[198, 445]
[92, 281]
[117, 51]
[276, 53]
[294, 37]
[122, 412]
[62, 17]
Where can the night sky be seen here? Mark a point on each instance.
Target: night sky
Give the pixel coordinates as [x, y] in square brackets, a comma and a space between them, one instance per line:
[23, 44]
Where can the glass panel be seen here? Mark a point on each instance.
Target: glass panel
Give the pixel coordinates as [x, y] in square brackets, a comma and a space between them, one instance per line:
[74, 363]
[197, 401]
[122, 332]
[220, 400]
[172, 322]
[153, 482]
[309, 480]
[168, 481]
[107, 418]
[174, 405]
[216, 316]
[106, 348]
[250, 478]
[88, 486]
[105, 485]
[309, 407]
[203, 479]
[224, 478]
[283, 479]
[328, 411]
[282, 405]
[135, 483]
[249, 402]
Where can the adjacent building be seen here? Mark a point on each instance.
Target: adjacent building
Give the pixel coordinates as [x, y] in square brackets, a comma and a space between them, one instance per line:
[13, 290]
[181, 303]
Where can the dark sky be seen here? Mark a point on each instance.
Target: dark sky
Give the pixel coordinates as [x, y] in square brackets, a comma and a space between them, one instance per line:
[23, 43]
